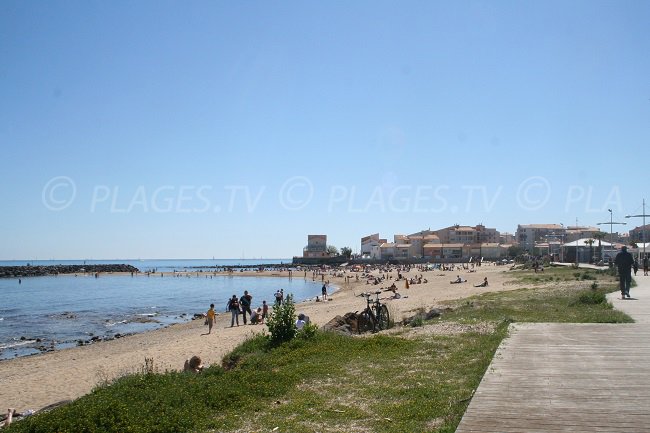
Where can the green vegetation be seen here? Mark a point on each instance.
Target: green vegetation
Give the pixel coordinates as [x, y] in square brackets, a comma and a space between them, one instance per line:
[282, 322]
[324, 382]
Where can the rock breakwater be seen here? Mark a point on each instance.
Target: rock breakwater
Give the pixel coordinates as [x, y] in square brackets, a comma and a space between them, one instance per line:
[39, 271]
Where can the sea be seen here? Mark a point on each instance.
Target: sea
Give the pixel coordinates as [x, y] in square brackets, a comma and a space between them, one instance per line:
[56, 312]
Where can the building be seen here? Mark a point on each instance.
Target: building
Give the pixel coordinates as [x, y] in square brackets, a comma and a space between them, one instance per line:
[573, 233]
[316, 246]
[455, 242]
[528, 235]
[506, 238]
[640, 234]
[587, 250]
[370, 246]
[468, 235]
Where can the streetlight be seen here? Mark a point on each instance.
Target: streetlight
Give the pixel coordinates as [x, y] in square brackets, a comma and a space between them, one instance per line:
[611, 235]
[643, 229]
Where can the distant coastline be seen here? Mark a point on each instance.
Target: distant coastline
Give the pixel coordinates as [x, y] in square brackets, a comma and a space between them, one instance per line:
[149, 265]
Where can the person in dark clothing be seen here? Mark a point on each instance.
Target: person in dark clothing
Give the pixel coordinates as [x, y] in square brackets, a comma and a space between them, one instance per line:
[645, 266]
[624, 262]
[245, 304]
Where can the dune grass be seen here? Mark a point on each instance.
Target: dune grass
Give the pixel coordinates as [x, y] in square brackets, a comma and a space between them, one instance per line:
[416, 379]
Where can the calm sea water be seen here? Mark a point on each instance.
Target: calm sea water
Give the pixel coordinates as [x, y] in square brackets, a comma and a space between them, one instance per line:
[162, 265]
[64, 309]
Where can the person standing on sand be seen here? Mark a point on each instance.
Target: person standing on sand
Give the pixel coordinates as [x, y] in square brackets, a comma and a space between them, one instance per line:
[233, 307]
[278, 297]
[624, 262]
[245, 303]
[210, 318]
[265, 310]
[324, 292]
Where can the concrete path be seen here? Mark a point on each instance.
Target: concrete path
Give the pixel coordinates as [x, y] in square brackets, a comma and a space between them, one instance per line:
[553, 377]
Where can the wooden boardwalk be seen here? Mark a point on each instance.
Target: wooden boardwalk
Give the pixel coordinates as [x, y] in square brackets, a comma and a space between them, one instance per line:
[552, 377]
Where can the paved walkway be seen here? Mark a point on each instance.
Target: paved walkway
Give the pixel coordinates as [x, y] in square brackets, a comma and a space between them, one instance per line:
[552, 377]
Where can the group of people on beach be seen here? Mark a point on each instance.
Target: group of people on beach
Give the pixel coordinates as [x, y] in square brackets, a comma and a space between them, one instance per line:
[243, 306]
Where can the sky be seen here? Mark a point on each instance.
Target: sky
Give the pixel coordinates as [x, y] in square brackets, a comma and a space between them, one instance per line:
[199, 129]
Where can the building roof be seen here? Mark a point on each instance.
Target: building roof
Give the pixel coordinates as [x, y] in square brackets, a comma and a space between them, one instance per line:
[541, 226]
[582, 243]
[370, 237]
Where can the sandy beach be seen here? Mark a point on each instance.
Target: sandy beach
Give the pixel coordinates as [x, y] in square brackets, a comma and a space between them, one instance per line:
[33, 382]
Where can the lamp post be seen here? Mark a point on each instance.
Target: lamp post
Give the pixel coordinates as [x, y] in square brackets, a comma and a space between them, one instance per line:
[643, 228]
[611, 234]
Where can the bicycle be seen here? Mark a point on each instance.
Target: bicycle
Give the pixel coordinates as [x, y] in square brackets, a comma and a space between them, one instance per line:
[375, 317]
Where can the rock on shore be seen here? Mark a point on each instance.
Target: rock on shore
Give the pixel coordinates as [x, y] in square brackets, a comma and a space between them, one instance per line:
[39, 271]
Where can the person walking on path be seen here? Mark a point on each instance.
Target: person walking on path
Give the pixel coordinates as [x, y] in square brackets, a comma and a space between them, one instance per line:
[233, 307]
[624, 262]
[210, 317]
[645, 266]
[245, 302]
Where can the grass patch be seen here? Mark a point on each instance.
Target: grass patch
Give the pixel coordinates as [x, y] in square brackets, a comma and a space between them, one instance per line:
[414, 379]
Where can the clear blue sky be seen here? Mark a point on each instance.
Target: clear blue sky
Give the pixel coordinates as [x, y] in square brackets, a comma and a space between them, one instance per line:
[154, 129]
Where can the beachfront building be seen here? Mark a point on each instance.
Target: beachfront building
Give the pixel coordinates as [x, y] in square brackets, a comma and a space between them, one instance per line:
[316, 246]
[452, 243]
[587, 250]
[528, 235]
[573, 233]
[640, 234]
[506, 238]
[468, 235]
[387, 251]
[370, 246]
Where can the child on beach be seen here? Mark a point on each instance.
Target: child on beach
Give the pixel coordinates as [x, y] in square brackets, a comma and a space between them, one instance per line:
[265, 310]
[256, 316]
[210, 317]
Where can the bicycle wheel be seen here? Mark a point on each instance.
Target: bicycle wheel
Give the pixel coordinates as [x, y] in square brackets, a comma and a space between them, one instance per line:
[365, 322]
[383, 318]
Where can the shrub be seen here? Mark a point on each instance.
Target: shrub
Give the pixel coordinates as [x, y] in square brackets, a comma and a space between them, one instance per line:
[417, 321]
[282, 321]
[307, 332]
[592, 297]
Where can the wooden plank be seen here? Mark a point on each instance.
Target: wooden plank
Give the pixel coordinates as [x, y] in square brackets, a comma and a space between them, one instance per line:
[558, 377]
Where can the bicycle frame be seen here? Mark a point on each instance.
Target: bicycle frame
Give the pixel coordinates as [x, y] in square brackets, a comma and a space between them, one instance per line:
[375, 317]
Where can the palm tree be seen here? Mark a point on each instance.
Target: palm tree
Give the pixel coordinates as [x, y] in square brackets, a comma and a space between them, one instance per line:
[600, 236]
[589, 242]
